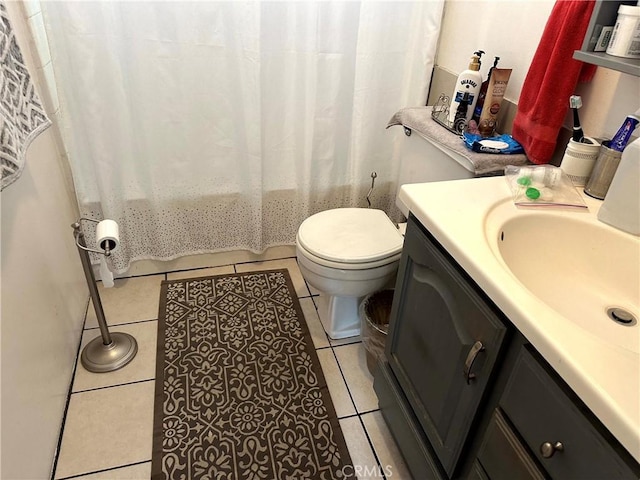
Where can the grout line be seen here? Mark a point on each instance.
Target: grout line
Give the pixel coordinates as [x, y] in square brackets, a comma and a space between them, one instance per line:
[350, 342]
[69, 393]
[314, 302]
[87, 329]
[194, 270]
[344, 379]
[311, 294]
[366, 412]
[264, 261]
[115, 385]
[201, 268]
[105, 469]
[358, 414]
[315, 305]
[141, 275]
[373, 449]
[323, 348]
[86, 314]
[352, 415]
[326, 335]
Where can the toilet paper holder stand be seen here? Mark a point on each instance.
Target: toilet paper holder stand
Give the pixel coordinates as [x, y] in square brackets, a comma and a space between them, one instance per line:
[109, 351]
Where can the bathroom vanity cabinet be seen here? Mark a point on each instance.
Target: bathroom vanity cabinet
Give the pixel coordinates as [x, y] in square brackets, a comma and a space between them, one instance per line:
[466, 396]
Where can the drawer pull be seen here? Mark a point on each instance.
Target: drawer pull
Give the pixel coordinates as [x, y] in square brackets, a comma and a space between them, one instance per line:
[471, 357]
[547, 449]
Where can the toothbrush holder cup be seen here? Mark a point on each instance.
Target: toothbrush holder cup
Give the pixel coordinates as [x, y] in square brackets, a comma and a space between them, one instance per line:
[579, 159]
[603, 172]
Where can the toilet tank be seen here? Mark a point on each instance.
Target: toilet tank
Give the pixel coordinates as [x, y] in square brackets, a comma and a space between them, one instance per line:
[422, 160]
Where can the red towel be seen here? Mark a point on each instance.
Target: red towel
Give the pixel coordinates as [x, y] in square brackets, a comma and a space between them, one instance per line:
[552, 79]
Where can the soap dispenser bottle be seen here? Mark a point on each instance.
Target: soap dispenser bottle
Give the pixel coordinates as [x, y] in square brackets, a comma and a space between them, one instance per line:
[469, 81]
[482, 94]
[621, 206]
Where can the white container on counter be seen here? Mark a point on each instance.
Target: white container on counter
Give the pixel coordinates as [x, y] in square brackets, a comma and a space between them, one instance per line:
[625, 40]
[579, 159]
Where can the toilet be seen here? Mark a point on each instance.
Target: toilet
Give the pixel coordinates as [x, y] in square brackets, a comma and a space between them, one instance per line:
[348, 253]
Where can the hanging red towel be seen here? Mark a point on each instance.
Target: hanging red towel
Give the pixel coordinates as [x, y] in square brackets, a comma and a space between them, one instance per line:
[552, 79]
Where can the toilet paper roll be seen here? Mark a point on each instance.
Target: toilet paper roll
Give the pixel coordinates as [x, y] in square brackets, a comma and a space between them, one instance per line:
[107, 234]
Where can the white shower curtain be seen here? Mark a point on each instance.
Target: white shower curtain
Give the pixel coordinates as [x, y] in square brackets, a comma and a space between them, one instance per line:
[212, 126]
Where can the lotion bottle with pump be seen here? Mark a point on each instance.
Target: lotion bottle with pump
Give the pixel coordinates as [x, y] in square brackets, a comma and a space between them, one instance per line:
[483, 93]
[469, 81]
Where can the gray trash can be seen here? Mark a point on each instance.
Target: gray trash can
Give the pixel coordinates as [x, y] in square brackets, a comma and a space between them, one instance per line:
[375, 311]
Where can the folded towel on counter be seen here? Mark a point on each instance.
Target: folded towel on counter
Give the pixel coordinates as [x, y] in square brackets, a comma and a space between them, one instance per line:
[552, 79]
[418, 120]
[22, 117]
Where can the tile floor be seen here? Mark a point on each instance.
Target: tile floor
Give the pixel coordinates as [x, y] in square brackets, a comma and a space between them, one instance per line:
[108, 427]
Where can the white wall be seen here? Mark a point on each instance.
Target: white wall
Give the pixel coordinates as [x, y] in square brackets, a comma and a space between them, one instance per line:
[508, 29]
[511, 29]
[44, 298]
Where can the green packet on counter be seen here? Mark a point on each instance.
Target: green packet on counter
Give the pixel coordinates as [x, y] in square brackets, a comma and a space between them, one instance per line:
[543, 185]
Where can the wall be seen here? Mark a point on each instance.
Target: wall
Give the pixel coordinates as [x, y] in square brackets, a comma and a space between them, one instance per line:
[512, 30]
[44, 298]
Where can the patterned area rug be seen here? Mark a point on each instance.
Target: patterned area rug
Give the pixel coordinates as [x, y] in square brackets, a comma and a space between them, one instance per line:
[239, 390]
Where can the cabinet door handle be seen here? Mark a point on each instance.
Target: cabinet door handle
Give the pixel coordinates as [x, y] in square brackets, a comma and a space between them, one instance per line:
[471, 357]
[547, 449]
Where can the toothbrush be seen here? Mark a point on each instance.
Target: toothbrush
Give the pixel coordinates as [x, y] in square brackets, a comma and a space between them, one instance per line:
[575, 102]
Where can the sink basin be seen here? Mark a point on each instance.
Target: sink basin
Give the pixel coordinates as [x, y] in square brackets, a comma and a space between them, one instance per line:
[578, 266]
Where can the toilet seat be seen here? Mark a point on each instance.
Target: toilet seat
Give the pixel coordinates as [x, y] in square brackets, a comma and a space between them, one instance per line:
[323, 263]
[350, 238]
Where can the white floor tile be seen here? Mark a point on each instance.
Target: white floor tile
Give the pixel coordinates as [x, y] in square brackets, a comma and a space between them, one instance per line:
[385, 447]
[313, 322]
[142, 471]
[107, 428]
[337, 388]
[130, 300]
[364, 462]
[290, 263]
[142, 367]
[201, 272]
[353, 363]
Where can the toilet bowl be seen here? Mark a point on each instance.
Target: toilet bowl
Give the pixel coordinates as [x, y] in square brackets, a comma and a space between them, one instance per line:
[348, 253]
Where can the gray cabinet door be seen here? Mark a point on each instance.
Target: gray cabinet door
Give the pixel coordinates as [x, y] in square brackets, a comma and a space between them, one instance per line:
[438, 321]
[502, 455]
[556, 427]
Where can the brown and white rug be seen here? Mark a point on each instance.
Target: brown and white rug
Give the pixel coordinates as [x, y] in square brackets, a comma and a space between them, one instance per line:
[239, 390]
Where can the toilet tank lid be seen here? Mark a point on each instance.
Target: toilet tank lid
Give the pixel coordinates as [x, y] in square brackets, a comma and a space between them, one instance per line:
[350, 235]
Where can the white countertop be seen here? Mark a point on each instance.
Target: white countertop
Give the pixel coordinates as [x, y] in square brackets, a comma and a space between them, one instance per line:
[604, 376]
